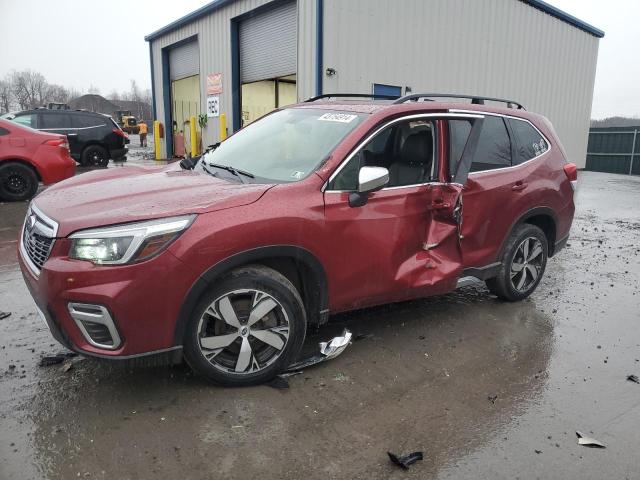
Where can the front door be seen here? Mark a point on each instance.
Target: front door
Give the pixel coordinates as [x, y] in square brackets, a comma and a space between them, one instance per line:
[405, 241]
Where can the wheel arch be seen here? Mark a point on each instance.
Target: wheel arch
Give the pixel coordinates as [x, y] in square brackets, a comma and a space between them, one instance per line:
[24, 162]
[297, 264]
[542, 217]
[94, 143]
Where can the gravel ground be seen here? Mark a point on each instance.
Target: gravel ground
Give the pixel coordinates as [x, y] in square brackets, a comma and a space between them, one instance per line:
[486, 389]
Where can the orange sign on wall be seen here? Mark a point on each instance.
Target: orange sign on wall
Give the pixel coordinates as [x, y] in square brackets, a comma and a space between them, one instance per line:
[214, 84]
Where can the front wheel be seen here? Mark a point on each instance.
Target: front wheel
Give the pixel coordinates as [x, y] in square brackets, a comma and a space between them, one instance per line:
[523, 264]
[248, 328]
[17, 182]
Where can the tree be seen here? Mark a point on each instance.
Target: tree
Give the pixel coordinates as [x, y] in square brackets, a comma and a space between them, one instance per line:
[6, 95]
[94, 90]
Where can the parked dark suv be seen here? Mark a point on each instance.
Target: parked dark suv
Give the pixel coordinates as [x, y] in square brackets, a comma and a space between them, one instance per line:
[316, 208]
[94, 138]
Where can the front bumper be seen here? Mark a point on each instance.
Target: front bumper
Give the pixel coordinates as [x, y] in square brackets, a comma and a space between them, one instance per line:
[142, 300]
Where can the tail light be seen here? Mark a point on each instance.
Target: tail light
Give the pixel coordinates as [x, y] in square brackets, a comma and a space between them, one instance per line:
[571, 171]
[120, 133]
[61, 142]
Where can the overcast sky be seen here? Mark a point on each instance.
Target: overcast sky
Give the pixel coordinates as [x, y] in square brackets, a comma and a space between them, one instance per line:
[83, 42]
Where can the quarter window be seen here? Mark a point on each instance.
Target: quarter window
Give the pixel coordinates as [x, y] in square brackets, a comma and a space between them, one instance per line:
[494, 147]
[530, 143]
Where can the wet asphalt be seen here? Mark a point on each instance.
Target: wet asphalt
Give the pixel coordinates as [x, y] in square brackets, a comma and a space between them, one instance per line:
[485, 389]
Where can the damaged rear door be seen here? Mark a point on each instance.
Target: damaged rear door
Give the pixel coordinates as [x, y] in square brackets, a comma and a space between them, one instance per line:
[402, 241]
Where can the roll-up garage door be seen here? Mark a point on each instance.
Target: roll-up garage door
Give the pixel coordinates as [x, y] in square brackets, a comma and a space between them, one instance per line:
[268, 44]
[184, 61]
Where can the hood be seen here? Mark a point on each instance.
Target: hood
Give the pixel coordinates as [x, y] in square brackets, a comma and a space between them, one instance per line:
[129, 194]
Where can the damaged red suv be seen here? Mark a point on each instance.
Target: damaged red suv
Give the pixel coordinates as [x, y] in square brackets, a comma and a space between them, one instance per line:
[318, 208]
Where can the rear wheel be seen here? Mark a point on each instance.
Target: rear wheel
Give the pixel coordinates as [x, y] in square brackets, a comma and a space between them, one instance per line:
[523, 264]
[95, 156]
[17, 182]
[247, 329]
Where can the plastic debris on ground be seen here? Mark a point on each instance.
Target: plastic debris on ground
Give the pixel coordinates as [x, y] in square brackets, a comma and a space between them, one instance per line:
[406, 460]
[279, 382]
[4, 315]
[633, 378]
[588, 441]
[56, 359]
[328, 350]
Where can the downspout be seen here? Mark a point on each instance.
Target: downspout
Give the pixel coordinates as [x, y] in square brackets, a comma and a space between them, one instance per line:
[319, 44]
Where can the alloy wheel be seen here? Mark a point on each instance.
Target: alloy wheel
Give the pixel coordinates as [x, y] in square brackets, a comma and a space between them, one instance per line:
[526, 265]
[243, 331]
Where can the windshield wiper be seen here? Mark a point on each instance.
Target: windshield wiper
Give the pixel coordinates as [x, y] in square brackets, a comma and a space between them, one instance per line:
[232, 170]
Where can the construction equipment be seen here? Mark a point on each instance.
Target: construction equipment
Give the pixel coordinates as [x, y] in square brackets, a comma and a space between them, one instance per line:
[127, 122]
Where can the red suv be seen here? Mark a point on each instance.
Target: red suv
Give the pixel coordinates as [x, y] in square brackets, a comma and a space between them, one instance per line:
[28, 157]
[318, 208]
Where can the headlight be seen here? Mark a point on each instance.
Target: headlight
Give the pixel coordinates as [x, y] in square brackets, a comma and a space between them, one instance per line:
[128, 243]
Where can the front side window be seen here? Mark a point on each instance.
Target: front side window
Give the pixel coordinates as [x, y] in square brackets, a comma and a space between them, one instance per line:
[285, 146]
[530, 143]
[28, 120]
[406, 149]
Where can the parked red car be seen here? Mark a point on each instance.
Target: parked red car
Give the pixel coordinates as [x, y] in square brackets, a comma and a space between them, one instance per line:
[317, 208]
[27, 157]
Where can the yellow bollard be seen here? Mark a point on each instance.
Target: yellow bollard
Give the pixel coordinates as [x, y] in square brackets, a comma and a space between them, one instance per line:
[156, 139]
[193, 135]
[223, 127]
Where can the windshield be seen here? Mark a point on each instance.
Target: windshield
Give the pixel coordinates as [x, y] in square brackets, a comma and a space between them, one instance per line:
[285, 146]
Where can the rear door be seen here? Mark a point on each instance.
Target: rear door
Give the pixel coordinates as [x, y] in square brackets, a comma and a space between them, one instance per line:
[60, 123]
[491, 190]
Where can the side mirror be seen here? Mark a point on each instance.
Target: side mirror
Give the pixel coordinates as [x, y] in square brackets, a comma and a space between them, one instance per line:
[370, 179]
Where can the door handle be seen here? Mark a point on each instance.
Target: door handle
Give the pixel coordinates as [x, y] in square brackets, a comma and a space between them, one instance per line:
[520, 185]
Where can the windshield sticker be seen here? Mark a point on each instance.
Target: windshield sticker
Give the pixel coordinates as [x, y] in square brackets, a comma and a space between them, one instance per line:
[337, 117]
[297, 175]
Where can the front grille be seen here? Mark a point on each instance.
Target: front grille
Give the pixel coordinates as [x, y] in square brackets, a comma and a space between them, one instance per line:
[38, 236]
[38, 247]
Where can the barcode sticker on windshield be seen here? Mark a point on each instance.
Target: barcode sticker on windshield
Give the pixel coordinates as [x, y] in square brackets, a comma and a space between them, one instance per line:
[337, 117]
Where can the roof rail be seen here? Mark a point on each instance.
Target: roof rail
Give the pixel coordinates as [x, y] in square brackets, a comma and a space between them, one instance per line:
[475, 99]
[353, 95]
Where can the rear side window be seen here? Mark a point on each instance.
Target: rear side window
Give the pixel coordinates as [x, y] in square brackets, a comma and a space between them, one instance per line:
[53, 120]
[84, 121]
[494, 146]
[28, 120]
[459, 131]
[529, 142]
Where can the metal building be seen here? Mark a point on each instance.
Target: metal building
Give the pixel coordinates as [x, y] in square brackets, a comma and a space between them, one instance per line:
[244, 58]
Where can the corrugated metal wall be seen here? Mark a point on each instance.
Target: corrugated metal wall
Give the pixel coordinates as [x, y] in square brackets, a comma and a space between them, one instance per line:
[214, 37]
[499, 48]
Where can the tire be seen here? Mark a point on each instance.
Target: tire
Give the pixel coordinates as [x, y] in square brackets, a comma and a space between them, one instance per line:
[221, 345]
[95, 156]
[509, 283]
[18, 182]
